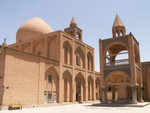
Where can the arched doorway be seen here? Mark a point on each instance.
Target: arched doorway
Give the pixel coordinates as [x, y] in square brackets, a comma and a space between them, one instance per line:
[67, 79]
[80, 87]
[118, 87]
[90, 88]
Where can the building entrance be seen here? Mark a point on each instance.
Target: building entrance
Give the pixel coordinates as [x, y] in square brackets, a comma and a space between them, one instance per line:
[78, 93]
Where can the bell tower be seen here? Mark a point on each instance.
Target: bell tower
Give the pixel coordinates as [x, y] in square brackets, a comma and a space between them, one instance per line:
[120, 66]
[73, 30]
[118, 28]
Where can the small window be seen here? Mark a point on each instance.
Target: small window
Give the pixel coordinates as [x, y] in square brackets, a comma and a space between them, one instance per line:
[96, 85]
[78, 36]
[49, 78]
[109, 88]
[78, 60]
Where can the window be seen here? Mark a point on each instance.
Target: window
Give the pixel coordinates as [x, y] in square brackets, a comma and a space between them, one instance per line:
[49, 78]
[96, 85]
[109, 88]
[78, 59]
[49, 98]
[78, 36]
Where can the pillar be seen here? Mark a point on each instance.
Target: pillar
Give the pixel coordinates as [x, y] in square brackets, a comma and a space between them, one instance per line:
[103, 94]
[81, 94]
[113, 94]
[134, 94]
[68, 91]
[86, 88]
[94, 89]
[73, 89]
[141, 94]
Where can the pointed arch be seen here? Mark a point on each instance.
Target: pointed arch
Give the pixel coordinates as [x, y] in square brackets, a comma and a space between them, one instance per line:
[116, 53]
[80, 57]
[52, 48]
[67, 80]
[67, 53]
[51, 84]
[80, 87]
[90, 61]
[115, 76]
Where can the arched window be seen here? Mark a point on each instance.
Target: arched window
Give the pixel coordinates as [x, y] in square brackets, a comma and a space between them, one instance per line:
[65, 56]
[71, 33]
[116, 55]
[67, 53]
[78, 36]
[49, 78]
[78, 59]
[96, 85]
[90, 61]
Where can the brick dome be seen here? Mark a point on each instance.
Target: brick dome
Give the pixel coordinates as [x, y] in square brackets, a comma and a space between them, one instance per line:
[33, 28]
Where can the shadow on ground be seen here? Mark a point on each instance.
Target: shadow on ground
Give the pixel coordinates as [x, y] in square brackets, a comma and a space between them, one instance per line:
[120, 105]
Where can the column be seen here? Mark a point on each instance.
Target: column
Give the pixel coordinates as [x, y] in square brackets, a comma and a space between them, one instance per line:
[68, 91]
[73, 74]
[91, 89]
[103, 94]
[134, 94]
[73, 89]
[81, 94]
[113, 94]
[86, 88]
[141, 94]
[94, 88]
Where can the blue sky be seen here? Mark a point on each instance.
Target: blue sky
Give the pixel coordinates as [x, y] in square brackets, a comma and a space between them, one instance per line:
[94, 17]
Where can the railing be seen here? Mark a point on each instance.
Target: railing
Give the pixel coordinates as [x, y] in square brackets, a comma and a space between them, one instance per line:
[118, 63]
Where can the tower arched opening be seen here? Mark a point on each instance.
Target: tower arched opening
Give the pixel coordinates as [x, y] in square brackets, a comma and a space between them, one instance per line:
[118, 86]
[116, 54]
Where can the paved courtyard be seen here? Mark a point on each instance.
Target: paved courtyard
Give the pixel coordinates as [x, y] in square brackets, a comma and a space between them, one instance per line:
[81, 108]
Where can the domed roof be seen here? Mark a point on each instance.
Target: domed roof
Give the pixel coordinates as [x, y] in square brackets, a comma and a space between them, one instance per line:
[32, 28]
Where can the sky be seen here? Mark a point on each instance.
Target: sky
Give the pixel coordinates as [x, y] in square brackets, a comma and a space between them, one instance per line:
[94, 17]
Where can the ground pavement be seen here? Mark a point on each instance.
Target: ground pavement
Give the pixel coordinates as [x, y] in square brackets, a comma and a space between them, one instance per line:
[81, 108]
